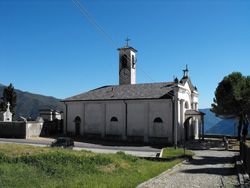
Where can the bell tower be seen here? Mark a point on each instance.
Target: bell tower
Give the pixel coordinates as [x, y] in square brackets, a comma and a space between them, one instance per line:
[127, 64]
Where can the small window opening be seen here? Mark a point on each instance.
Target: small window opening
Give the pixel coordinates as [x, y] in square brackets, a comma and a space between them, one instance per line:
[124, 61]
[114, 119]
[158, 120]
[77, 119]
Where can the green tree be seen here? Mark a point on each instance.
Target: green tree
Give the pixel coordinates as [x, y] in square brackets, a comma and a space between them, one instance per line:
[232, 100]
[9, 95]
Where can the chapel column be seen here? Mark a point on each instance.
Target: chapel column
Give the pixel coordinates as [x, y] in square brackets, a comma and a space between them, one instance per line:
[196, 128]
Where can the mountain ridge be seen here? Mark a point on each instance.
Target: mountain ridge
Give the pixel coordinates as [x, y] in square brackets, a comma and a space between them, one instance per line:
[29, 104]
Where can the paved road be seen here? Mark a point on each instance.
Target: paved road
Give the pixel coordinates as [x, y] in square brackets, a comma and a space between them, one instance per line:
[210, 168]
[95, 146]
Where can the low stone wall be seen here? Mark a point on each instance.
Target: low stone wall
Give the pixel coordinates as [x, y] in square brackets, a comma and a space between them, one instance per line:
[21, 129]
[13, 129]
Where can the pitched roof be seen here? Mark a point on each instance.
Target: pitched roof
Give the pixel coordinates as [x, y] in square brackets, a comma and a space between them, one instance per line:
[194, 112]
[162, 90]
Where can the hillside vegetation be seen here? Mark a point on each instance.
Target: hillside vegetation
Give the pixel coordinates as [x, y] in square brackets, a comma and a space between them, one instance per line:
[30, 166]
[29, 104]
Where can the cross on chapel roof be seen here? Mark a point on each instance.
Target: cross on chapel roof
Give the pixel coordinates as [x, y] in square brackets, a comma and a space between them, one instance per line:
[8, 107]
[185, 72]
[128, 39]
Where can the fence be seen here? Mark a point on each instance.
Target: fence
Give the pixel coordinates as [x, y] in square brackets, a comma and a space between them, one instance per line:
[245, 156]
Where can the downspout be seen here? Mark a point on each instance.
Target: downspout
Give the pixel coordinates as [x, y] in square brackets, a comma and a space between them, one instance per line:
[176, 81]
[173, 120]
[126, 118]
[66, 119]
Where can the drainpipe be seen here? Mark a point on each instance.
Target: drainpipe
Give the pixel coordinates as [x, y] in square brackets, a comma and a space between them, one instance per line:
[173, 119]
[126, 118]
[176, 81]
[66, 119]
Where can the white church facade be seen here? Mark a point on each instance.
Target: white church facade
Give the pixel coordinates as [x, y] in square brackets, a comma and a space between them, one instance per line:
[164, 112]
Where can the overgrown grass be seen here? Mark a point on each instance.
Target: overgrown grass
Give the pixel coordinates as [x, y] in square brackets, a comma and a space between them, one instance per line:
[30, 166]
[171, 152]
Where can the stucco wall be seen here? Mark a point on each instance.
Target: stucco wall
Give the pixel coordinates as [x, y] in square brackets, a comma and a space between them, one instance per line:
[163, 111]
[94, 118]
[132, 119]
[115, 110]
[74, 110]
[33, 129]
[137, 112]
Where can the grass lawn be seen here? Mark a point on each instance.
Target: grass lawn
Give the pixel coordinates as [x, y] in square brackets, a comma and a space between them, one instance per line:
[171, 152]
[30, 166]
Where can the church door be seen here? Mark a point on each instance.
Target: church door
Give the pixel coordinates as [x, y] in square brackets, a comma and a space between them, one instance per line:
[77, 125]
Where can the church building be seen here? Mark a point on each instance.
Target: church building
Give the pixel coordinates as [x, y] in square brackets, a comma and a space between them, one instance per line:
[165, 112]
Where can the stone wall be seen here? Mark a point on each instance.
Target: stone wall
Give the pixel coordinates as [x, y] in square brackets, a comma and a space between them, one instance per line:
[13, 129]
[21, 129]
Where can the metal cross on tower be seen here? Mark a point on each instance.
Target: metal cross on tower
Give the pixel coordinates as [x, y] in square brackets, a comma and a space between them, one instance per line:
[127, 40]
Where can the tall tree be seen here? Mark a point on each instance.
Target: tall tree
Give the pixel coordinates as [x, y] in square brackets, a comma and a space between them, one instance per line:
[9, 95]
[232, 100]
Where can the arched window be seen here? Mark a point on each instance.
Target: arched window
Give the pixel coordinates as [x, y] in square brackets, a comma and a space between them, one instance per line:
[78, 119]
[124, 61]
[114, 119]
[158, 120]
[186, 105]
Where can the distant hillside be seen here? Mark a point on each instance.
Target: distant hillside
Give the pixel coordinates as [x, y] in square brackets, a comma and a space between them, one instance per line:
[29, 104]
[225, 126]
[209, 119]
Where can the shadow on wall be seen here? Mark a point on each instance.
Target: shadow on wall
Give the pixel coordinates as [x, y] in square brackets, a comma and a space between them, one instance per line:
[52, 127]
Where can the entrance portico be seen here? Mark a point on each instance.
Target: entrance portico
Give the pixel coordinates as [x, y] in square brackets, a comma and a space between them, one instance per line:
[198, 119]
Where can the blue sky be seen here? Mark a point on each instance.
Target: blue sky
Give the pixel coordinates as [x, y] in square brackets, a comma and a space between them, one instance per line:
[49, 47]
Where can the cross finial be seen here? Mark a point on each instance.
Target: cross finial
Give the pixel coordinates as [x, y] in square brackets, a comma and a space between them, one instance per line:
[127, 40]
[185, 72]
[8, 108]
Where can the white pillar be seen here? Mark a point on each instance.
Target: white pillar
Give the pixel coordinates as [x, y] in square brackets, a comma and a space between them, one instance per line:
[196, 125]
[181, 127]
[196, 106]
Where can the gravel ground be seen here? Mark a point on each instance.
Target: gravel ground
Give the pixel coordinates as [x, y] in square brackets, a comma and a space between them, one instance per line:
[209, 168]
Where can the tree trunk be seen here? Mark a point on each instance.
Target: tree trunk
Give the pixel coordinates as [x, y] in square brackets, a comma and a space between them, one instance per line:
[239, 129]
[245, 129]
